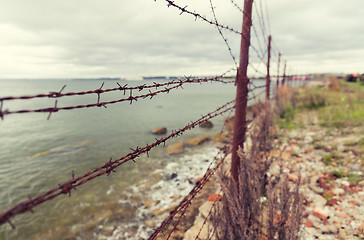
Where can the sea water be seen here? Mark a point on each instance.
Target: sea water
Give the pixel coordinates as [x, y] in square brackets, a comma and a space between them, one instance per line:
[36, 155]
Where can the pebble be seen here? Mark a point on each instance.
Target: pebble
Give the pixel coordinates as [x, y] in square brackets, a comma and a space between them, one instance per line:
[149, 223]
[355, 167]
[338, 191]
[342, 215]
[345, 183]
[320, 213]
[316, 189]
[342, 234]
[292, 177]
[328, 229]
[317, 200]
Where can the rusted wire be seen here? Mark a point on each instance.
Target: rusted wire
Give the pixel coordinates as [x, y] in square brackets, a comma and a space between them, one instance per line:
[256, 69]
[199, 16]
[186, 202]
[203, 18]
[107, 168]
[119, 88]
[222, 35]
[254, 28]
[259, 12]
[254, 87]
[206, 218]
[130, 98]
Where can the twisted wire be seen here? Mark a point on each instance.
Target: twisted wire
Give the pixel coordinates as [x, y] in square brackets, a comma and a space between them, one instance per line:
[222, 35]
[175, 85]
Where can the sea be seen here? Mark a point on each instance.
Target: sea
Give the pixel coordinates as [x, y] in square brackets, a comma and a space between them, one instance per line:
[37, 154]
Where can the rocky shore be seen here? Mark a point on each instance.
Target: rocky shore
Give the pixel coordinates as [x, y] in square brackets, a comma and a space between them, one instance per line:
[328, 162]
[333, 190]
[331, 168]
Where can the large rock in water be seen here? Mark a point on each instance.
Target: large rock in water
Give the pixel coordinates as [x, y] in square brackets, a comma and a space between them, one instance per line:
[206, 124]
[175, 148]
[159, 131]
[198, 140]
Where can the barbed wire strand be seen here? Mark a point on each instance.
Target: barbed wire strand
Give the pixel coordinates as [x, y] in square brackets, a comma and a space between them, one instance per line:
[222, 35]
[253, 26]
[207, 217]
[268, 18]
[121, 88]
[203, 18]
[260, 22]
[254, 29]
[130, 99]
[256, 70]
[263, 18]
[107, 169]
[199, 16]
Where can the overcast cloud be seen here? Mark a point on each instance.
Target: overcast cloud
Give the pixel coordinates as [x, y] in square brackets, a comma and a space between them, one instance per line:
[119, 38]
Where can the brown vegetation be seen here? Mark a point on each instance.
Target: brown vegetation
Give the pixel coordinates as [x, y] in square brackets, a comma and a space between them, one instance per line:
[258, 206]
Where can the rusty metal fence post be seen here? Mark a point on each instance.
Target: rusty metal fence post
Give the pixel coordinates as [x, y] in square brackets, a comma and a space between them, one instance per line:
[284, 72]
[279, 61]
[242, 82]
[267, 87]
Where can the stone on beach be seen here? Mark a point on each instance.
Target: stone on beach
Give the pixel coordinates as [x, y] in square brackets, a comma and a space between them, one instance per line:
[206, 124]
[220, 137]
[159, 212]
[198, 140]
[159, 131]
[214, 197]
[320, 213]
[175, 148]
[293, 177]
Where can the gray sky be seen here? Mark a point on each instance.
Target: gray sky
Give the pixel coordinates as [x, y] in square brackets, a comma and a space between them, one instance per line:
[119, 38]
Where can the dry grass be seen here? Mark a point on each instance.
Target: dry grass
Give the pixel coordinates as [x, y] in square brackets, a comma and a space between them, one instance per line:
[256, 207]
[334, 84]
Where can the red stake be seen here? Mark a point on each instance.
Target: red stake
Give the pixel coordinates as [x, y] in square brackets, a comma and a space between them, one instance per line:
[242, 82]
[267, 88]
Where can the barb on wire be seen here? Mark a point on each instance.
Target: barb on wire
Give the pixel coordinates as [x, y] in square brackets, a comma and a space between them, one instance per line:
[107, 168]
[222, 35]
[185, 203]
[52, 110]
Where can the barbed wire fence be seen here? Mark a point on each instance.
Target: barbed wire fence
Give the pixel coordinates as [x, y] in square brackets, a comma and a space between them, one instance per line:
[261, 36]
[125, 90]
